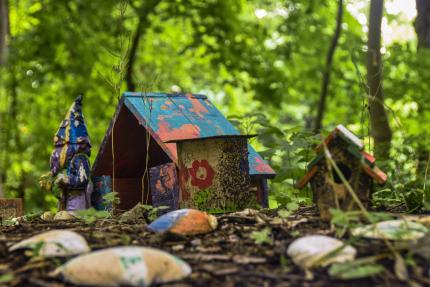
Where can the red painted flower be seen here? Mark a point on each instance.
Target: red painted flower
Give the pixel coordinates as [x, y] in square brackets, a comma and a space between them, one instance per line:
[201, 174]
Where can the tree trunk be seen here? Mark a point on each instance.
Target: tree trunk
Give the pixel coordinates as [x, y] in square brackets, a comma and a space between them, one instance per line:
[4, 33]
[380, 128]
[143, 13]
[422, 23]
[327, 70]
[4, 30]
[14, 136]
[422, 28]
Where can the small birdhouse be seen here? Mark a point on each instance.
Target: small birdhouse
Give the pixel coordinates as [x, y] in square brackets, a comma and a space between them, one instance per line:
[214, 173]
[10, 208]
[357, 167]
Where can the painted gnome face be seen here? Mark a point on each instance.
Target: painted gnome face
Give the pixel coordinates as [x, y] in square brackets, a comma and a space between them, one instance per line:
[71, 138]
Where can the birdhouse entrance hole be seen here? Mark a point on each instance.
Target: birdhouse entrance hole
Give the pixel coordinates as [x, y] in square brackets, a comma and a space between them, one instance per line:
[346, 171]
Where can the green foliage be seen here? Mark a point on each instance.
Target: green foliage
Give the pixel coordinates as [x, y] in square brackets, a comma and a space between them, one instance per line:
[263, 236]
[201, 198]
[111, 198]
[289, 151]
[90, 215]
[36, 248]
[283, 260]
[142, 211]
[9, 222]
[291, 208]
[152, 212]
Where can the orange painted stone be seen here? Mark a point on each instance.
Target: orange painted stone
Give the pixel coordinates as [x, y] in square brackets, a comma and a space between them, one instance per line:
[11, 207]
[184, 222]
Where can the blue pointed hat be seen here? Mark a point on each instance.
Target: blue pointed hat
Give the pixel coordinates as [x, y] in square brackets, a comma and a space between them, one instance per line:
[72, 129]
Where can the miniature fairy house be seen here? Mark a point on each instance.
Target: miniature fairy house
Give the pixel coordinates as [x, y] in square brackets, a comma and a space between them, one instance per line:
[140, 157]
[214, 173]
[357, 167]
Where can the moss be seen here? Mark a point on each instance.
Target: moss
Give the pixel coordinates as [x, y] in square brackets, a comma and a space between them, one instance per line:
[200, 199]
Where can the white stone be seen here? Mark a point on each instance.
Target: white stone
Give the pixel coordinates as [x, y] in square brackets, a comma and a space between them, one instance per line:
[56, 243]
[131, 266]
[64, 215]
[310, 251]
[47, 216]
[392, 230]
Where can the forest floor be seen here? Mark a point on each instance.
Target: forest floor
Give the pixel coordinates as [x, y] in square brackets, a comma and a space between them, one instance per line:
[229, 256]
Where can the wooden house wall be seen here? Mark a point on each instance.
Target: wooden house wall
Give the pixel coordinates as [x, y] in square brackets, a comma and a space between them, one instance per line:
[214, 174]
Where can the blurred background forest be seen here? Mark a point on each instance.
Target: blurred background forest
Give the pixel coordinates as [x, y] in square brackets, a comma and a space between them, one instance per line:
[284, 69]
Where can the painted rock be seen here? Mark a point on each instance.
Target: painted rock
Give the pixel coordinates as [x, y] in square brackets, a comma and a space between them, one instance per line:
[310, 251]
[130, 266]
[47, 216]
[64, 215]
[185, 222]
[55, 243]
[392, 229]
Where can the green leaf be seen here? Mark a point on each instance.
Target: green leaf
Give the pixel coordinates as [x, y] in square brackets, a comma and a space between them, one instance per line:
[112, 197]
[36, 248]
[262, 236]
[284, 213]
[293, 206]
[91, 215]
[379, 216]
[354, 270]
[338, 217]
[5, 278]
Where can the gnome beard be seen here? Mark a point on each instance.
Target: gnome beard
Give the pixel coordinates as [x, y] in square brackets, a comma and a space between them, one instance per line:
[70, 166]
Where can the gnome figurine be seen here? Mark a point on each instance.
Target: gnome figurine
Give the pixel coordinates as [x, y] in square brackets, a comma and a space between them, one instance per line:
[70, 165]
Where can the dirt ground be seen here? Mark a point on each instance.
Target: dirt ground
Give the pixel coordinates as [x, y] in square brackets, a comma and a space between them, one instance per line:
[225, 257]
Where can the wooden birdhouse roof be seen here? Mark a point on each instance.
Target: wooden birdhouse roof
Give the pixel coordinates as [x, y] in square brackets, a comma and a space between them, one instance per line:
[354, 146]
[167, 118]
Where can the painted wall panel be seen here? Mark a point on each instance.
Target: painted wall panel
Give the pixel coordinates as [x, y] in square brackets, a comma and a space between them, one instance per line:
[214, 174]
[164, 186]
